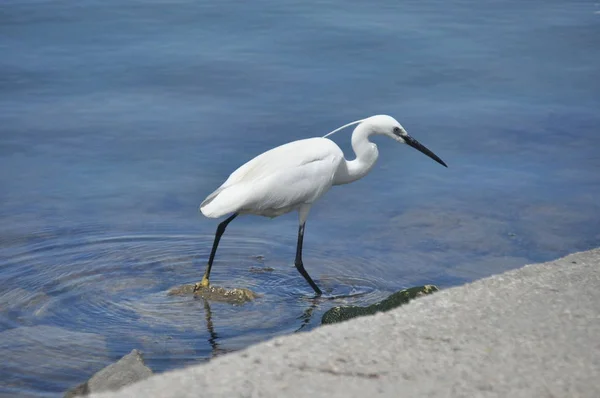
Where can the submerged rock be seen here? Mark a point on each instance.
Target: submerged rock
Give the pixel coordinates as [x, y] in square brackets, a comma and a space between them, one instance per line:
[215, 293]
[24, 301]
[339, 314]
[261, 270]
[125, 371]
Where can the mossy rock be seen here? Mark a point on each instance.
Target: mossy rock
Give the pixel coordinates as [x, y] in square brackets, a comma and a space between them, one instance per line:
[215, 293]
[340, 314]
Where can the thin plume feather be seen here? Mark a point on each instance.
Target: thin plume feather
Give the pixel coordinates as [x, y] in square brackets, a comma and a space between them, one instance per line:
[343, 127]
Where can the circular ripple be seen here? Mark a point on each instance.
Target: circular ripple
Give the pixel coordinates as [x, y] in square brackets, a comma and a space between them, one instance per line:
[116, 287]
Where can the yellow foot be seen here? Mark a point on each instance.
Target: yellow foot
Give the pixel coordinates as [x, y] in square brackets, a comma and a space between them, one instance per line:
[203, 283]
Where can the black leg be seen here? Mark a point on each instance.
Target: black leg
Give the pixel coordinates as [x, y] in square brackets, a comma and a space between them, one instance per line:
[218, 234]
[298, 262]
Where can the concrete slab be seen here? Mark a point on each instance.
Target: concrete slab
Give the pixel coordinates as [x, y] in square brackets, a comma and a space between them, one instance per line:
[125, 371]
[531, 332]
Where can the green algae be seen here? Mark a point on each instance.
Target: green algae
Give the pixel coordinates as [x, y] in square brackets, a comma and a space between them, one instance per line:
[340, 314]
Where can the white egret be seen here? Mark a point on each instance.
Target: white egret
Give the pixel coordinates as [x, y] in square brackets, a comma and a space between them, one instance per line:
[294, 175]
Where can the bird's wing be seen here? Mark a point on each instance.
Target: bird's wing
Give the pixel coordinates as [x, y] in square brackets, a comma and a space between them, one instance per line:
[285, 156]
[297, 171]
[290, 187]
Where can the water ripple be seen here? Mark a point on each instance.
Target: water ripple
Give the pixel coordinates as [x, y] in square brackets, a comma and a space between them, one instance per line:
[115, 287]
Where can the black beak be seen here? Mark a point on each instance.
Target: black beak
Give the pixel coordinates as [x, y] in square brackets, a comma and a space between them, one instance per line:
[422, 148]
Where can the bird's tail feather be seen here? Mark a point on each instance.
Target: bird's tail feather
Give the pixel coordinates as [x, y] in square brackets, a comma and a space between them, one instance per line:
[210, 197]
[220, 202]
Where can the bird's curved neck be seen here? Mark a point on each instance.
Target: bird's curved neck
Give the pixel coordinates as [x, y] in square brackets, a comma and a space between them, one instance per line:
[366, 156]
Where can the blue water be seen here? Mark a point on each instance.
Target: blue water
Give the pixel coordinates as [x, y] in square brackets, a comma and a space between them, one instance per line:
[118, 118]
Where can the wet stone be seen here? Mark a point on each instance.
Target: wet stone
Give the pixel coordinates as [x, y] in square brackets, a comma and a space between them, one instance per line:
[215, 293]
[339, 314]
[127, 370]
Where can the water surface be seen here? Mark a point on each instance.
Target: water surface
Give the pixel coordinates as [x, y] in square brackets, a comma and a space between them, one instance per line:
[118, 118]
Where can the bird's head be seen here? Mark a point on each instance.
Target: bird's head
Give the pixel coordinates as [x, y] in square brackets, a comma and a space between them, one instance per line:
[387, 125]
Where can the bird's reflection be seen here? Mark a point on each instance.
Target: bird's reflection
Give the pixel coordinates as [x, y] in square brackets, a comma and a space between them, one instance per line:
[306, 315]
[212, 334]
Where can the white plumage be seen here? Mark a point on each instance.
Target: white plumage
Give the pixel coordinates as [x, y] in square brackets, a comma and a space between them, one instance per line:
[278, 181]
[294, 175]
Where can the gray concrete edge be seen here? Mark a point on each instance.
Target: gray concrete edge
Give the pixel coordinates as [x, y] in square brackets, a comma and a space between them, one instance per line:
[457, 342]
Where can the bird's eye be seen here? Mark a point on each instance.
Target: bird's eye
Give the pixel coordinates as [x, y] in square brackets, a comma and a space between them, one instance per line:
[397, 130]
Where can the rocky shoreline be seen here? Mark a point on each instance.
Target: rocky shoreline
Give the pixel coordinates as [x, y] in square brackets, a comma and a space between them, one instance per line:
[524, 333]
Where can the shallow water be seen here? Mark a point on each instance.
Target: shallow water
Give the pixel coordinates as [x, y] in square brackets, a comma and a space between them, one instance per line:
[117, 120]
